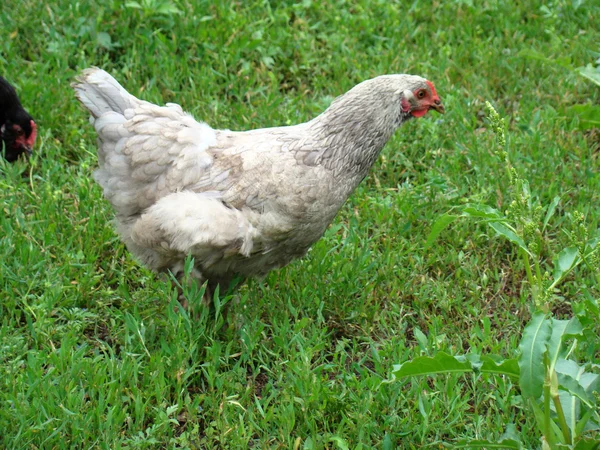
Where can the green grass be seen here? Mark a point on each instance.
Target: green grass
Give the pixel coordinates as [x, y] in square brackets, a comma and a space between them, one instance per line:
[92, 354]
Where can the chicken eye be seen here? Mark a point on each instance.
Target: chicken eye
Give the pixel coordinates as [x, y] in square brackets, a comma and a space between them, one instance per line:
[421, 93]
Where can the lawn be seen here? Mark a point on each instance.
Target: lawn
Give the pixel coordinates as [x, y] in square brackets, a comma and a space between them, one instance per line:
[94, 352]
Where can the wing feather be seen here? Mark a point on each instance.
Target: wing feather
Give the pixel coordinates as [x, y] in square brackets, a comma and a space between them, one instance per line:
[154, 153]
[145, 151]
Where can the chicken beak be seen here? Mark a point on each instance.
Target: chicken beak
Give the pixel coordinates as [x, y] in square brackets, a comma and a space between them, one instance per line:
[437, 106]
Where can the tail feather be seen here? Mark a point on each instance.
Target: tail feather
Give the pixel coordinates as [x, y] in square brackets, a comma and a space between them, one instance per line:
[101, 93]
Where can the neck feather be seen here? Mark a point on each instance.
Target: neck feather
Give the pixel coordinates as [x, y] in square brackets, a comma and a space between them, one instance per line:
[352, 133]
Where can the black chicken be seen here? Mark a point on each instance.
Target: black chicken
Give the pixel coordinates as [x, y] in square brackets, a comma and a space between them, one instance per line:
[17, 128]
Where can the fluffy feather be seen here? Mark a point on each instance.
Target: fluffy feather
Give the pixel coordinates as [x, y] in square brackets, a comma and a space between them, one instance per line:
[242, 203]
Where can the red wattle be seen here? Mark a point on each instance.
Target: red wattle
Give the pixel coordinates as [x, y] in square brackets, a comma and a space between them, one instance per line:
[31, 140]
[419, 112]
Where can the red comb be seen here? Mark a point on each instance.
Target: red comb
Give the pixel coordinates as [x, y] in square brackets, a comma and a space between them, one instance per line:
[432, 87]
[433, 91]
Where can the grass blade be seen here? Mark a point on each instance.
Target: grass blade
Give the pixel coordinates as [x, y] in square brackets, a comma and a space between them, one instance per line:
[439, 225]
[550, 211]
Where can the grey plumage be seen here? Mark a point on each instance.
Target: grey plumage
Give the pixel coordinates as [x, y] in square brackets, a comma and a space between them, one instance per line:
[242, 203]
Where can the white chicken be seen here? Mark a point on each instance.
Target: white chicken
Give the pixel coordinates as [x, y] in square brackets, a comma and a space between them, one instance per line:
[240, 202]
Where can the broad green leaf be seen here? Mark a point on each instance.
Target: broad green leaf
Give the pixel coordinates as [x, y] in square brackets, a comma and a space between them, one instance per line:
[103, 39]
[570, 374]
[592, 307]
[167, 9]
[510, 433]
[590, 382]
[583, 422]
[593, 425]
[341, 443]
[588, 444]
[592, 243]
[568, 367]
[428, 365]
[561, 329]
[573, 380]
[509, 234]
[563, 262]
[475, 360]
[439, 225]
[537, 413]
[555, 434]
[421, 339]
[531, 361]
[590, 72]
[550, 211]
[387, 442]
[508, 367]
[133, 4]
[574, 387]
[172, 410]
[309, 444]
[481, 443]
[482, 211]
[571, 408]
[587, 115]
